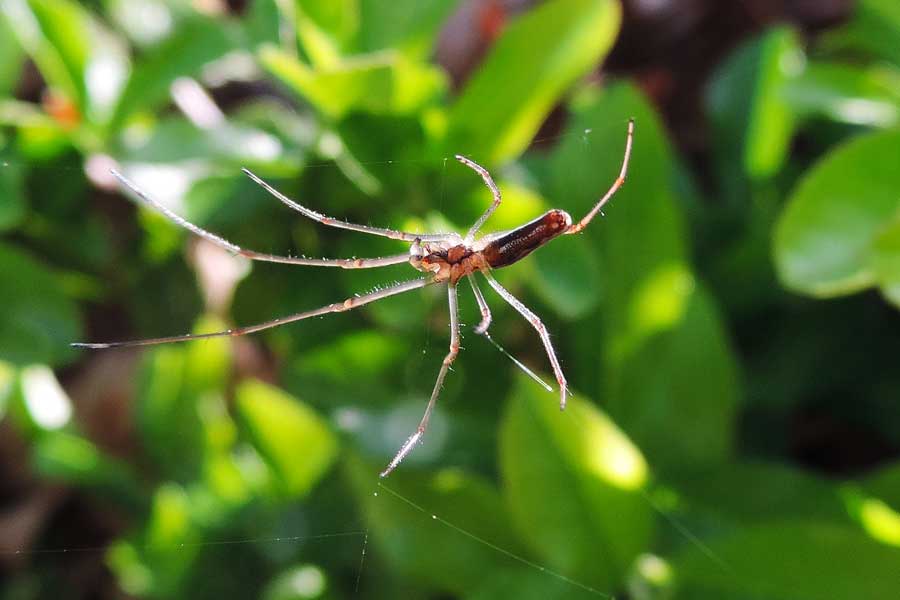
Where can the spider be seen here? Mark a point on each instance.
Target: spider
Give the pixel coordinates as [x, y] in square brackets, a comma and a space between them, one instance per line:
[443, 257]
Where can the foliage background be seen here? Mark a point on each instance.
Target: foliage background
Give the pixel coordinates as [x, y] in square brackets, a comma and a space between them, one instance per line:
[729, 329]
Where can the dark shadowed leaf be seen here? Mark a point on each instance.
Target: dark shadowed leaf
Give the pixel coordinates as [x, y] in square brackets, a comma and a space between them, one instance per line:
[423, 548]
[37, 322]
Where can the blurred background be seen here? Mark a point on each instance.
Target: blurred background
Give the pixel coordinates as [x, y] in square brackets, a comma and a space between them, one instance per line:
[729, 328]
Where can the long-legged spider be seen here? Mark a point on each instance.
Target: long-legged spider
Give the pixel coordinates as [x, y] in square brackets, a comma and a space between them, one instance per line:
[442, 257]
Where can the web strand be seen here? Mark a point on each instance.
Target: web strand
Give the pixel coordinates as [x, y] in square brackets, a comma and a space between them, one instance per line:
[496, 548]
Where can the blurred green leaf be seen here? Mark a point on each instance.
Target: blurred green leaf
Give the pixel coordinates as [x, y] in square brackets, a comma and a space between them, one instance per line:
[195, 43]
[825, 240]
[55, 34]
[12, 195]
[567, 276]
[76, 461]
[796, 560]
[530, 584]
[874, 27]
[419, 547]
[748, 101]
[293, 439]
[884, 483]
[37, 322]
[670, 377]
[303, 582]
[12, 57]
[573, 483]
[754, 493]
[167, 416]
[381, 83]
[529, 68]
[408, 25]
[155, 562]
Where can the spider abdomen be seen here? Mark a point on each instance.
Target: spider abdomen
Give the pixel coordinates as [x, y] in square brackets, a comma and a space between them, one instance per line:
[519, 243]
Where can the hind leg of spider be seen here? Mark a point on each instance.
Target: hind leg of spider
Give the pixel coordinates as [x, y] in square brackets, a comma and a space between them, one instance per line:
[415, 438]
[495, 192]
[542, 332]
[346, 305]
[482, 327]
[344, 263]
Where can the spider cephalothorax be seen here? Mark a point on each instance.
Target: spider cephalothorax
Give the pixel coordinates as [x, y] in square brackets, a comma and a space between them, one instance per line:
[443, 257]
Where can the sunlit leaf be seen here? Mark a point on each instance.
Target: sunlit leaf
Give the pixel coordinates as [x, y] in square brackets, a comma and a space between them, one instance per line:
[381, 83]
[823, 243]
[573, 483]
[293, 439]
[790, 559]
[528, 69]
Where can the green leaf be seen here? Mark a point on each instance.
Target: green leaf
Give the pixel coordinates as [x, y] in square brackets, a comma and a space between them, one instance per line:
[885, 484]
[791, 560]
[670, 377]
[167, 416]
[874, 28]
[538, 57]
[411, 26]
[293, 439]
[753, 121]
[37, 322]
[531, 584]
[419, 546]
[567, 276]
[381, 83]
[847, 93]
[13, 58]
[12, 196]
[55, 34]
[574, 483]
[76, 461]
[195, 43]
[825, 240]
[754, 493]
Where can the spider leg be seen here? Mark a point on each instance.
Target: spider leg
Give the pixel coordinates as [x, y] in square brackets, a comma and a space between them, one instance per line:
[346, 305]
[541, 330]
[415, 438]
[580, 225]
[332, 222]
[495, 192]
[344, 263]
[482, 327]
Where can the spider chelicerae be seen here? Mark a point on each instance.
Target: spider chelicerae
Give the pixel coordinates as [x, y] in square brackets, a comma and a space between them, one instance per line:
[443, 257]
